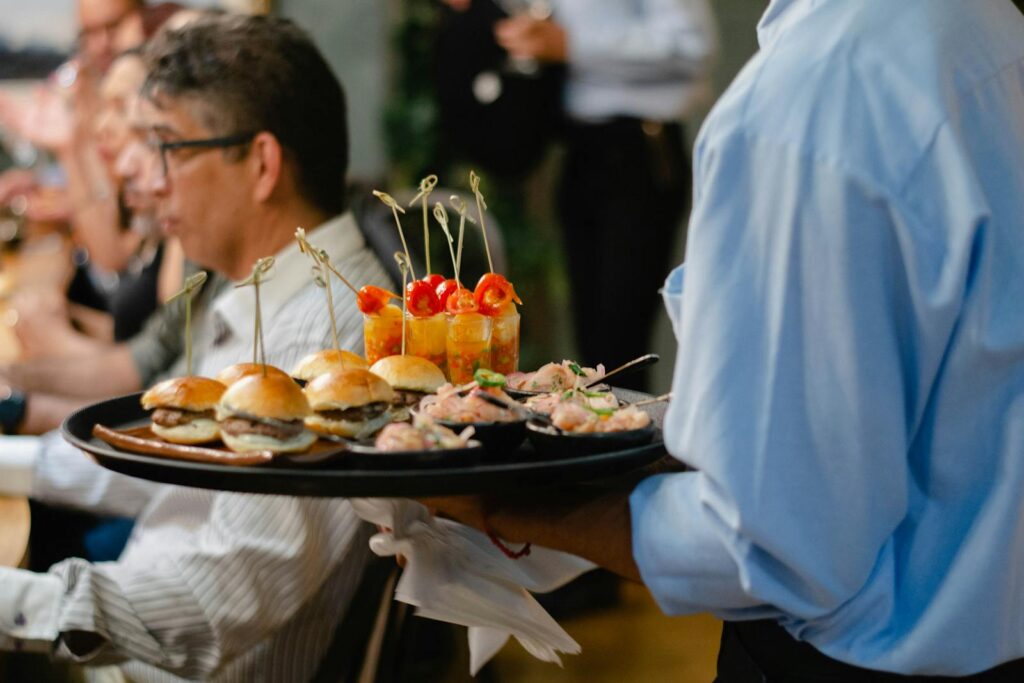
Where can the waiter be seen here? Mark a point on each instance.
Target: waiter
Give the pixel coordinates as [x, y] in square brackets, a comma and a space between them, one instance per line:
[850, 380]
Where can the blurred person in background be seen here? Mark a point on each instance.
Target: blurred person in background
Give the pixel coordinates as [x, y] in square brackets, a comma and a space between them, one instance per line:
[635, 70]
[246, 139]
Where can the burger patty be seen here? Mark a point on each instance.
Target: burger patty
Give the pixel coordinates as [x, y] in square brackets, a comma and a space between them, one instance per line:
[282, 431]
[172, 417]
[408, 397]
[367, 412]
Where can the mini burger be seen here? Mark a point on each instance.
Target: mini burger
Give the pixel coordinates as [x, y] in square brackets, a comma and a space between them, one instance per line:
[264, 413]
[345, 402]
[325, 361]
[183, 409]
[411, 377]
[233, 373]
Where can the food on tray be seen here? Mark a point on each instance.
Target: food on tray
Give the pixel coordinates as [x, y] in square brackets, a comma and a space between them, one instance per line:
[423, 435]
[468, 345]
[450, 405]
[264, 413]
[345, 402]
[428, 339]
[183, 409]
[233, 373]
[505, 340]
[411, 377]
[597, 400]
[324, 361]
[382, 333]
[576, 419]
[555, 377]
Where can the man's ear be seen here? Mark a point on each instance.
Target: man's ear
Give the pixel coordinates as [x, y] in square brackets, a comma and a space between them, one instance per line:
[266, 158]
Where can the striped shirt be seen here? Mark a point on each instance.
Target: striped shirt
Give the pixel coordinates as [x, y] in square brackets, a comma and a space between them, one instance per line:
[219, 586]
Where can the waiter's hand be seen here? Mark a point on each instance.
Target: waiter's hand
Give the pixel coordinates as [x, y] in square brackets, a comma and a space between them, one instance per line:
[526, 37]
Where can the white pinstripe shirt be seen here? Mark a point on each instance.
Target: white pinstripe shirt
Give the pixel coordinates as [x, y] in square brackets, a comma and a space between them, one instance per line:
[212, 586]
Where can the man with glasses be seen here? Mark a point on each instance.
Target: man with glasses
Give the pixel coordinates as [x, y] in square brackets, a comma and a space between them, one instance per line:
[246, 140]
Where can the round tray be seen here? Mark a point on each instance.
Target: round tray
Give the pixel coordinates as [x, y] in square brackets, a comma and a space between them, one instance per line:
[523, 469]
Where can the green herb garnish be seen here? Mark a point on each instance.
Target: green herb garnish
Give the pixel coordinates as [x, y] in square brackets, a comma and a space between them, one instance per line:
[489, 378]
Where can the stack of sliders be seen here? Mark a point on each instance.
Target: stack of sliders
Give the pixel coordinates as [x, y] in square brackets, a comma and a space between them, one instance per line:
[411, 377]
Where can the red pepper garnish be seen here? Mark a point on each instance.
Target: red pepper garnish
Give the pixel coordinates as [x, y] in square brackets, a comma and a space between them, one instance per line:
[461, 301]
[435, 280]
[444, 290]
[493, 292]
[371, 299]
[421, 299]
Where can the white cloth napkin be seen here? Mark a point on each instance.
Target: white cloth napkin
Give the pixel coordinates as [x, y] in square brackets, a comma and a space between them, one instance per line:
[454, 573]
[18, 455]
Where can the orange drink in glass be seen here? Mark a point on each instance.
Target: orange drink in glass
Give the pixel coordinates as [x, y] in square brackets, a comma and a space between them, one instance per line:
[427, 337]
[505, 340]
[382, 333]
[469, 340]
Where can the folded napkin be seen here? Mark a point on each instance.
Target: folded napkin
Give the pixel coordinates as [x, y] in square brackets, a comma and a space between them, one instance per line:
[456, 574]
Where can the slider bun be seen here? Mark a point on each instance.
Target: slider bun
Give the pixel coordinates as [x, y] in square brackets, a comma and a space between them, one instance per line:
[324, 361]
[322, 425]
[233, 373]
[202, 430]
[343, 389]
[259, 442]
[184, 393]
[411, 373]
[276, 397]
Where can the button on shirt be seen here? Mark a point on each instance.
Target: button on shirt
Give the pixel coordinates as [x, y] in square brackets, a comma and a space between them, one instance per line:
[850, 376]
[212, 586]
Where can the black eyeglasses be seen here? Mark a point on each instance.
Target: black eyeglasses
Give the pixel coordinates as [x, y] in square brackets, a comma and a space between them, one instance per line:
[203, 144]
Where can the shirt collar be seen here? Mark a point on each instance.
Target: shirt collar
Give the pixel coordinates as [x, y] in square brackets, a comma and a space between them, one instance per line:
[236, 307]
[780, 15]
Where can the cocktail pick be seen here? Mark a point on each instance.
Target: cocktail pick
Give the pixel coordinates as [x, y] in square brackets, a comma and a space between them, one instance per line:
[321, 277]
[395, 209]
[474, 184]
[261, 272]
[427, 186]
[441, 215]
[406, 268]
[321, 257]
[459, 205]
[192, 285]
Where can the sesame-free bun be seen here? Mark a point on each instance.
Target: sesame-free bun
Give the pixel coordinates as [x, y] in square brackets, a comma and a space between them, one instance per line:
[325, 361]
[276, 397]
[259, 442]
[201, 430]
[339, 390]
[184, 393]
[233, 373]
[410, 373]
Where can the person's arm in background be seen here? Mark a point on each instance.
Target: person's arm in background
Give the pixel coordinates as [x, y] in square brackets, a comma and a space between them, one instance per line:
[667, 40]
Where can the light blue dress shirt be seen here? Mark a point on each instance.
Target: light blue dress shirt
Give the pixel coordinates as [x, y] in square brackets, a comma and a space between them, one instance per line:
[850, 375]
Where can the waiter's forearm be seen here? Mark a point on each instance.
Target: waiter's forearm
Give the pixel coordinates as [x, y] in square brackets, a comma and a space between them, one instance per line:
[107, 373]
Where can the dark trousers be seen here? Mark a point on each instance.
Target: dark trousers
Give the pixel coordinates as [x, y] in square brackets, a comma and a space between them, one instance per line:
[764, 652]
[624, 191]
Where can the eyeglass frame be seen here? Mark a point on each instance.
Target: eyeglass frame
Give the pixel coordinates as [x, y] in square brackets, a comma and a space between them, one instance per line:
[221, 142]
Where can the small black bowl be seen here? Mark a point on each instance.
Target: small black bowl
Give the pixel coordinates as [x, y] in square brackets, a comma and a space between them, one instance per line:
[554, 445]
[498, 438]
[364, 457]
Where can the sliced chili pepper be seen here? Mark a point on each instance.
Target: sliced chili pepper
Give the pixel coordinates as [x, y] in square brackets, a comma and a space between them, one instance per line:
[461, 301]
[489, 378]
[435, 280]
[371, 299]
[445, 289]
[493, 292]
[421, 299]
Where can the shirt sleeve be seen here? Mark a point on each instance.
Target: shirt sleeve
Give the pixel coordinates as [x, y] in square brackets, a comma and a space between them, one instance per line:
[667, 40]
[194, 606]
[29, 605]
[18, 457]
[65, 476]
[800, 374]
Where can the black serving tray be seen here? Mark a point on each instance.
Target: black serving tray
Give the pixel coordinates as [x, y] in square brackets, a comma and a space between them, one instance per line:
[391, 475]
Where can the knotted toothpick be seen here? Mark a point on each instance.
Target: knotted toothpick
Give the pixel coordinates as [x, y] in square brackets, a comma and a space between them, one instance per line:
[261, 272]
[192, 285]
[322, 269]
[395, 210]
[474, 184]
[427, 186]
[460, 206]
[441, 215]
[404, 266]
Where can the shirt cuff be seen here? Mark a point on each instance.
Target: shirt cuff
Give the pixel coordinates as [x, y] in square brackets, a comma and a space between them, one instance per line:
[18, 458]
[29, 610]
